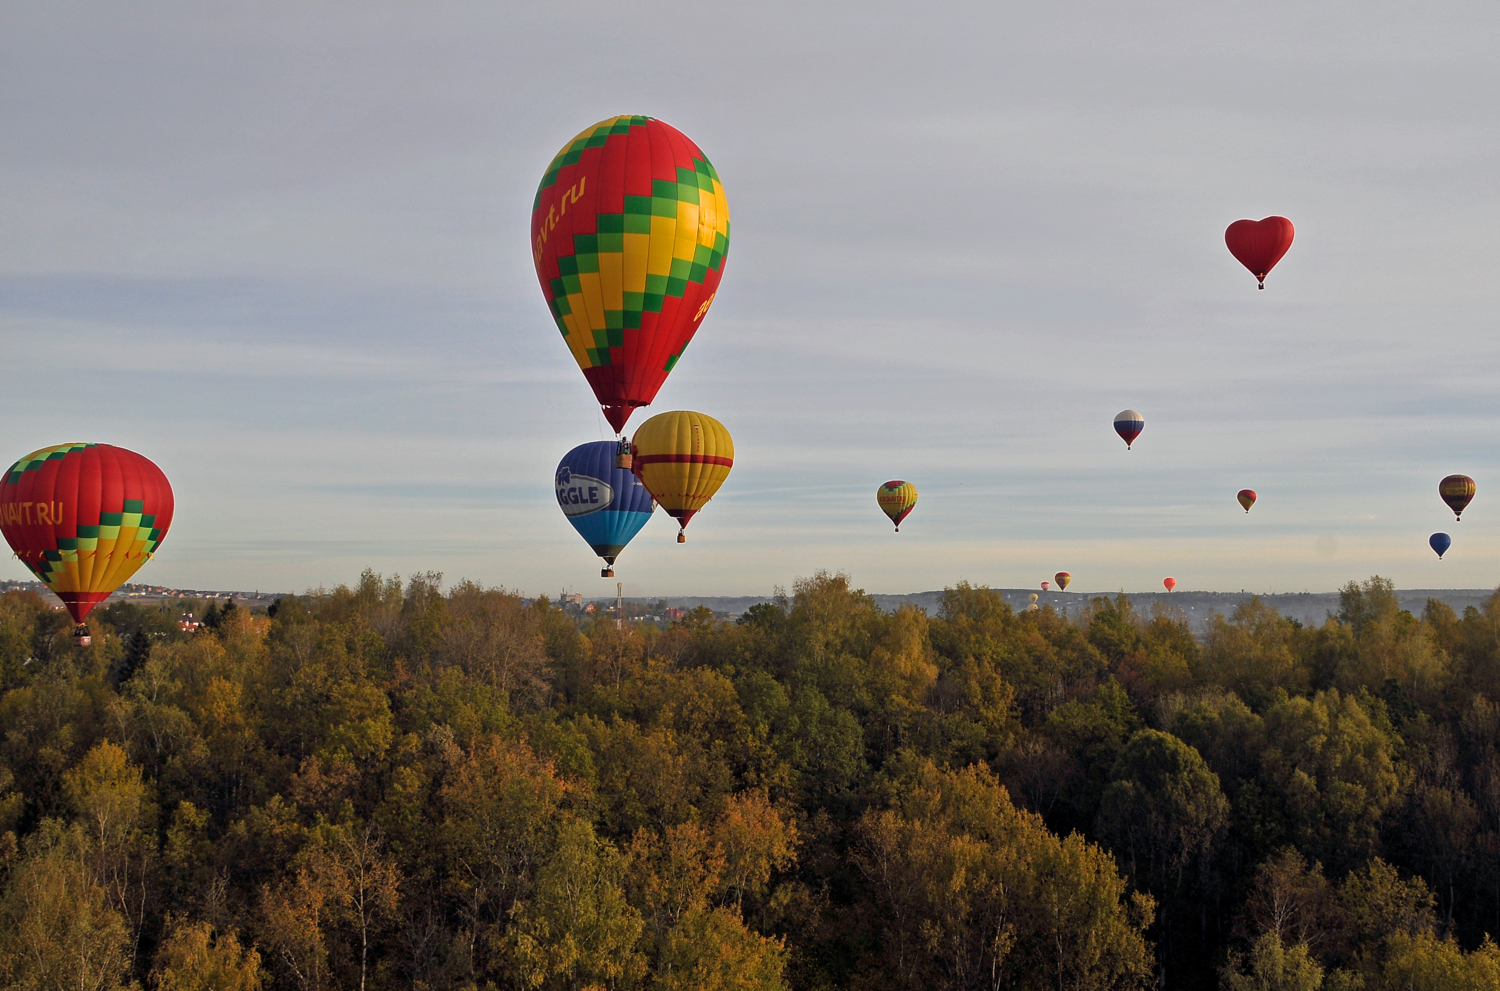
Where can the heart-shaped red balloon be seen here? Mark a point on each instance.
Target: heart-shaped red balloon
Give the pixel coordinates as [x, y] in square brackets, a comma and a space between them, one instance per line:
[1260, 244]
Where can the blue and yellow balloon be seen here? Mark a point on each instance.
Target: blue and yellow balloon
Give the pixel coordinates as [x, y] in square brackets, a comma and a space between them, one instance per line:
[606, 505]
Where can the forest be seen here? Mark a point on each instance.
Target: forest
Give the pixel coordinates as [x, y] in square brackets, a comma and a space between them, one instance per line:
[397, 785]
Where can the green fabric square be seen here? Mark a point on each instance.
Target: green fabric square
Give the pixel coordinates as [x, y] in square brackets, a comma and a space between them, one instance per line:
[663, 207]
[599, 356]
[567, 265]
[662, 189]
[698, 273]
[596, 140]
[588, 263]
[676, 287]
[87, 531]
[571, 286]
[656, 284]
[601, 338]
[632, 319]
[635, 300]
[702, 254]
[653, 302]
[672, 361]
[721, 243]
[561, 307]
[556, 285]
[616, 337]
[110, 519]
[680, 268]
[716, 258]
[67, 543]
[135, 506]
[585, 243]
[614, 319]
[638, 223]
[638, 204]
[611, 244]
[571, 157]
[611, 223]
[148, 519]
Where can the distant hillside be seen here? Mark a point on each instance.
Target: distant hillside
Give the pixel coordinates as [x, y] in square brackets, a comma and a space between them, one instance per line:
[1308, 608]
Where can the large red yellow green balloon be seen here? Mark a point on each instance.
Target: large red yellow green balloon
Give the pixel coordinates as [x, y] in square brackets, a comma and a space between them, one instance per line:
[682, 458]
[629, 232]
[84, 518]
[896, 499]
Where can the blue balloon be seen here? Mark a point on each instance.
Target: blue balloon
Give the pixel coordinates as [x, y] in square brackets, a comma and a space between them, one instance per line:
[1440, 542]
[606, 505]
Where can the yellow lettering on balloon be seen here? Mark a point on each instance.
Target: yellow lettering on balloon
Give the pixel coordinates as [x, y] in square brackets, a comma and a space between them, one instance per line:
[704, 308]
[44, 513]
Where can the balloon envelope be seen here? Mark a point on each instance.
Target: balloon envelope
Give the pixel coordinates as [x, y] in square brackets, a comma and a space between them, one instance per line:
[896, 499]
[1129, 424]
[606, 505]
[84, 518]
[1062, 578]
[1046, 586]
[629, 232]
[1260, 244]
[1247, 498]
[1456, 491]
[1170, 583]
[1440, 542]
[682, 458]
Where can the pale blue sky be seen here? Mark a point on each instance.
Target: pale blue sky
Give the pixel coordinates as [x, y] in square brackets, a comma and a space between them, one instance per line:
[282, 251]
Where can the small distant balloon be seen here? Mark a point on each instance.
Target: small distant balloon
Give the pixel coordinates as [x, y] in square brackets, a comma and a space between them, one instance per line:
[1247, 498]
[896, 499]
[1260, 244]
[1046, 586]
[1032, 606]
[1129, 424]
[1440, 542]
[1456, 491]
[1062, 578]
[1170, 583]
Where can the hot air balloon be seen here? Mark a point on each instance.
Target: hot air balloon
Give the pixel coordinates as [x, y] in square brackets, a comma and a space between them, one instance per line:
[682, 458]
[1046, 586]
[1247, 498]
[1456, 491]
[1440, 542]
[1031, 605]
[84, 518]
[1062, 578]
[629, 232]
[606, 505]
[897, 499]
[1170, 583]
[1129, 424]
[1260, 244]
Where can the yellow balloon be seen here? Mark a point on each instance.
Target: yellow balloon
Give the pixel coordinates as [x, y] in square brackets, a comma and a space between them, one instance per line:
[682, 458]
[896, 499]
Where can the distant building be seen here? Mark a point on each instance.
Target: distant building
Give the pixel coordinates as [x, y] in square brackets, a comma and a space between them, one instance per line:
[674, 615]
[573, 599]
[589, 608]
[187, 622]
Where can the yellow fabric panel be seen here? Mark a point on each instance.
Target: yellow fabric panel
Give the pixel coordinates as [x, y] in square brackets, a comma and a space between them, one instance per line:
[612, 278]
[637, 251]
[579, 339]
[663, 237]
[687, 231]
[593, 299]
[683, 486]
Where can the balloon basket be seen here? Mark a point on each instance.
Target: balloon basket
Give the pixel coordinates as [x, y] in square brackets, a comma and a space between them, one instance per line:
[81, 636]
[681, 537]
[606, 572]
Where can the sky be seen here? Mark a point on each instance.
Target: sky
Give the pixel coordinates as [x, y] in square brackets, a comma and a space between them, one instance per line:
[282, 250]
